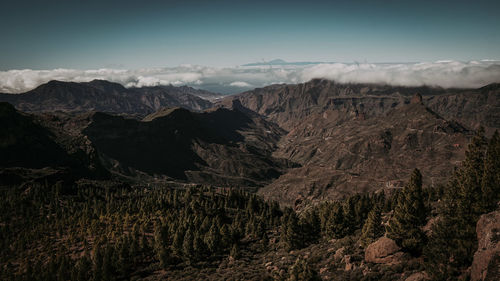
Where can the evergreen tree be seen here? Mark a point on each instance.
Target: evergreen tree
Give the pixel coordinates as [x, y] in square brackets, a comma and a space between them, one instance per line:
[409, 216]
[291, 232]
[98, 262]
[178, 241]
[235, 251]
[164, 256]
[334, 224]
[311, 226]
[302, 271]
[213, 239]
[453, 240]
[349, 219]
[199, 247]
[226, 238]
[490, 183]
[187, 245]
[372, 229]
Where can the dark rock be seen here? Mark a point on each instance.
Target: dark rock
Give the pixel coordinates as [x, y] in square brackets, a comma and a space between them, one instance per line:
[486, 263]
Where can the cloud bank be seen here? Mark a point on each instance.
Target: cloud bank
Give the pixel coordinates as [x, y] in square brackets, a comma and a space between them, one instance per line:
[446, 74]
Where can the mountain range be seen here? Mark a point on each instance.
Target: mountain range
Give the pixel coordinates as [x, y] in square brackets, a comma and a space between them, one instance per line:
[105, 96]
[296, 143]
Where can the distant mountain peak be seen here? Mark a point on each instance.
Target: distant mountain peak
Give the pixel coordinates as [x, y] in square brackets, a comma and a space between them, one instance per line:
[277, 61]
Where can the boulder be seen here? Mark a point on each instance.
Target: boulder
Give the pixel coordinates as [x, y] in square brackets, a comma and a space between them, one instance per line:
[486, 263]
[384, 250]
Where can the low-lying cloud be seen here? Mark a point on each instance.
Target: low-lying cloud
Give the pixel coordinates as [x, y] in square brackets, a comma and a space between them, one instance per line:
[446, 74]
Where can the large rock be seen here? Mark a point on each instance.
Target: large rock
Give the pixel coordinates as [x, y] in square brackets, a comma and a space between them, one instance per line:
[486, 263]
[384, 250]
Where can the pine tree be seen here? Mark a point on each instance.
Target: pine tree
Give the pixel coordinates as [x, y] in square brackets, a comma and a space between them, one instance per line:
[178, 241]
[213, 239]
[490, 182]
[199, 247]
[372, 229]
[453, 240]
[470, 177]
[409, 216]
[349, 224]
[187, 245]
[164, 256]
[235, 251]
[302, 271]
[291, 235]
[311, 226]
[226, 238]
[334, 224]
[97, 259]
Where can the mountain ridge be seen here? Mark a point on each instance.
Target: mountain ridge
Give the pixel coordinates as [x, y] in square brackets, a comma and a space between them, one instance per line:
[105, 96]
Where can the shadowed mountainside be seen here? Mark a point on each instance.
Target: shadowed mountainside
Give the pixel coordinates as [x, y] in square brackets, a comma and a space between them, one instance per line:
[105, 96]
[220, 146]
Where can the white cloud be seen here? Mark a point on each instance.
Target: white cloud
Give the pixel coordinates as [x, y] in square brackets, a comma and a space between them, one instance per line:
[441, 73]
[240, 84]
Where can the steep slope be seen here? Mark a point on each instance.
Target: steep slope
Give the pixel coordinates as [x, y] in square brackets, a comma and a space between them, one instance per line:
[343, 154]
[29, 150]
[353, 138]
[104, 96]
[221, 146]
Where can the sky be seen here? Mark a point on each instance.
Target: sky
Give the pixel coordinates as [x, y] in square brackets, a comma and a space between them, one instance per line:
[133, 35]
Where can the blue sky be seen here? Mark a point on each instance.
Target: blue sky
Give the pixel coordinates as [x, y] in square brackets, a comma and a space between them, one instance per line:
[141, 34]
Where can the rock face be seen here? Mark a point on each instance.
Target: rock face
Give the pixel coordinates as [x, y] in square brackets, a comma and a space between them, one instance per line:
[486, 263]
[104, 96]
[384, 250]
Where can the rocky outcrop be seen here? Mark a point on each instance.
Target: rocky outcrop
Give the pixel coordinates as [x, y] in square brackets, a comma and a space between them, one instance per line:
[384, 250]
[486, 263]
